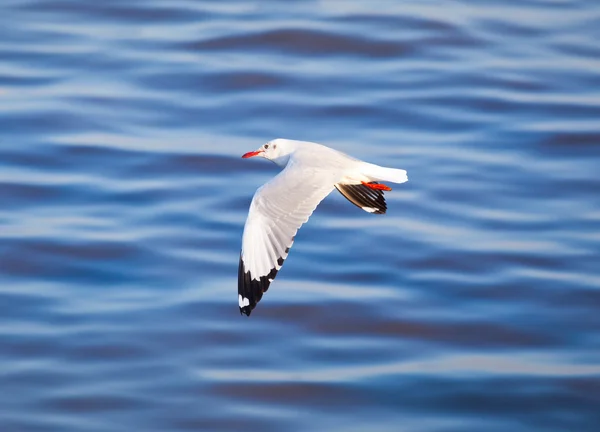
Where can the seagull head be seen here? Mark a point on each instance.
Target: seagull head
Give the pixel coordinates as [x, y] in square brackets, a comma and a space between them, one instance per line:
[277, 150]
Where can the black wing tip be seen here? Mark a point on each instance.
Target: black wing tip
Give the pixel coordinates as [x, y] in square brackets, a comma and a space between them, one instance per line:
[378, 211]
[252, 290]
[369, 200]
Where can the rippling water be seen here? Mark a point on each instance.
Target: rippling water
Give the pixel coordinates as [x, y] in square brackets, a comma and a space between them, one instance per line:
[473, 305]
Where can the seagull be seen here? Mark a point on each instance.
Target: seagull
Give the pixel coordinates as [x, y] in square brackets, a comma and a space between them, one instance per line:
[280, 206]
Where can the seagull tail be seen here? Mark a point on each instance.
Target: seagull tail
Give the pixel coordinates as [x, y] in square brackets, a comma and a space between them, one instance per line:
[378, 173]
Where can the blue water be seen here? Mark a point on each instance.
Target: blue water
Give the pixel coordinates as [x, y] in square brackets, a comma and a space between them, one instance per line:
[472, 305]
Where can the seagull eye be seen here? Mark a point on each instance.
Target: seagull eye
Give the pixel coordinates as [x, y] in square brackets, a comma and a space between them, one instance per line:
[266, 146]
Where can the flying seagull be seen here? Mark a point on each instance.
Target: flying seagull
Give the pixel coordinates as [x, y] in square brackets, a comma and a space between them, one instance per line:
[284, 203]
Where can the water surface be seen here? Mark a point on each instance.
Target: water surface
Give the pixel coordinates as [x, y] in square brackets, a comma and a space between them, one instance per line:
[473, 305]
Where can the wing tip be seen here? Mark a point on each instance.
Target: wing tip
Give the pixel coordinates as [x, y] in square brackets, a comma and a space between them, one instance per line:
[364, 197]
[250, 290]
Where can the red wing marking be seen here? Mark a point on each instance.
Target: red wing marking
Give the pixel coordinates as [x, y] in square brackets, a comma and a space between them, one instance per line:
[377, 186]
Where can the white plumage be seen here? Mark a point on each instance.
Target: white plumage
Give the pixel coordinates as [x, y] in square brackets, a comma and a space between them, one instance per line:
[280, 207]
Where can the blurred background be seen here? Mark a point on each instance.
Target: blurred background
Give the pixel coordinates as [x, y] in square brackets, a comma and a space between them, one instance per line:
[473, 305]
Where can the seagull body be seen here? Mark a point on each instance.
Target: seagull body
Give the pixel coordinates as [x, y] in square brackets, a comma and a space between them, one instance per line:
[280, 207]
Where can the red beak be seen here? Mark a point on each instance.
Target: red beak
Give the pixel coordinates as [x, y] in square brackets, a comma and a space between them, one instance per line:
[252, 154]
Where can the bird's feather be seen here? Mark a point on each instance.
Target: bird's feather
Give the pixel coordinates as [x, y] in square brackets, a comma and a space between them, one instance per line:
[368, 199]
[278, 210]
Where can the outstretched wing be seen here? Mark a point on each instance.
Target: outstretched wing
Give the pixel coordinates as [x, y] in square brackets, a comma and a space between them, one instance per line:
[278, 210]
